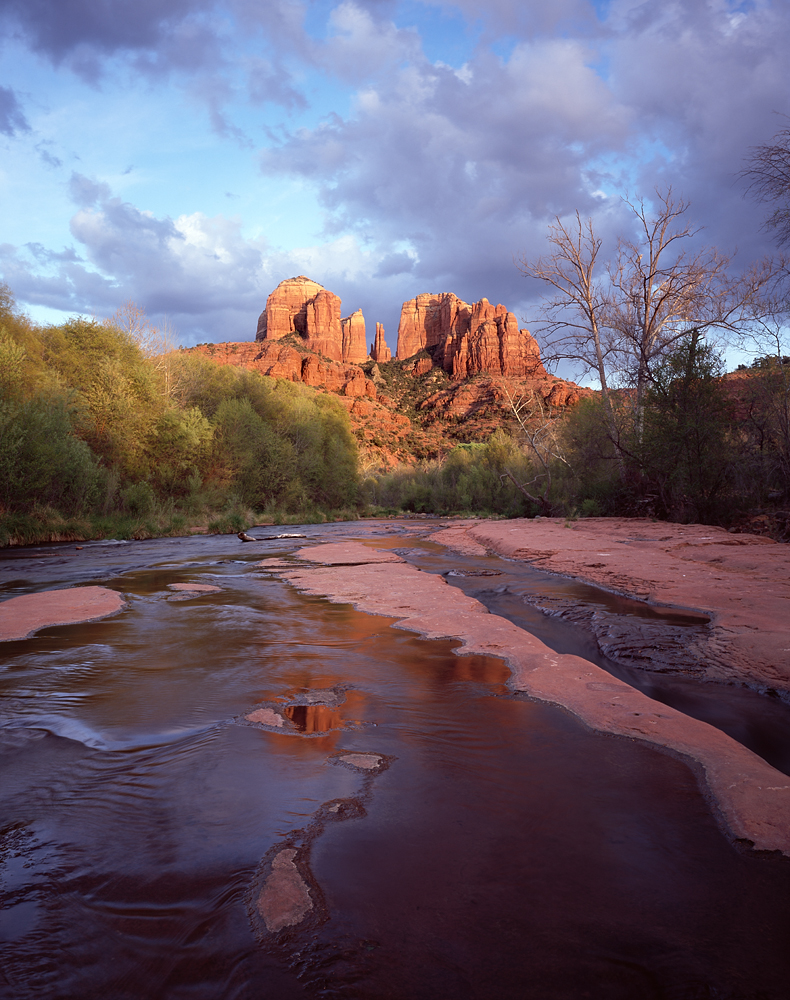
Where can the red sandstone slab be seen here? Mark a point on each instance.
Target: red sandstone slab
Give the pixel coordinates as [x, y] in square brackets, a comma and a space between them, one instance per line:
[741, 581]
[24, 615]
[751, 798]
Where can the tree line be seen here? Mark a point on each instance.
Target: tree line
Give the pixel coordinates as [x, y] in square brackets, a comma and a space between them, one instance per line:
[105, 430]
[104, 423]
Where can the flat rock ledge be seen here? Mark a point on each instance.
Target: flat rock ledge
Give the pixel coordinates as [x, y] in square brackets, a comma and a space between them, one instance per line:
[741, 581]
[750, 798]
[21, 616]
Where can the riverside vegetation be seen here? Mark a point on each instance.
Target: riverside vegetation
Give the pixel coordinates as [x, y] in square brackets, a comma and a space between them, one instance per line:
[102, 437]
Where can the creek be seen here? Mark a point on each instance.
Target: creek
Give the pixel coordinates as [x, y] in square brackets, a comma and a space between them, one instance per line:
[500, 849]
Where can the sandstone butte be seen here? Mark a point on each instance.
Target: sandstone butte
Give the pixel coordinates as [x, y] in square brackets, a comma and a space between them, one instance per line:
[302, 306]
[449, 340]
[673, 563]
[468, 339]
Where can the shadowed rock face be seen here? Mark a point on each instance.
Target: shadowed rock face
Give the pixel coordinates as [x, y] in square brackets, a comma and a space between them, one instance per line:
[303, 307]
[468, 340]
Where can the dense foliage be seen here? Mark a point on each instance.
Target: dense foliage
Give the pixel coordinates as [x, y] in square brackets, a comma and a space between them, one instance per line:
[98, 437]
[702, 448]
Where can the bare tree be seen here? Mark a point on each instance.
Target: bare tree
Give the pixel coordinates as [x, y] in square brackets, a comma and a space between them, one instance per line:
[661, 290]
[157, 343]
[654, 292]
[539, 430]
[575, 317]
[768, 176]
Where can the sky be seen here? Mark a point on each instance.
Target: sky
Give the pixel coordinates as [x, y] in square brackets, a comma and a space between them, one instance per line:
[188, 155]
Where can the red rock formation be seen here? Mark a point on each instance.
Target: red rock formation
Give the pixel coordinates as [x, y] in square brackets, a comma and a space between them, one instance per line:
[323, 331]
[286, 310]
[427, 321]
[303, 307]
[378, 349]
[468, 340]
[354, 340]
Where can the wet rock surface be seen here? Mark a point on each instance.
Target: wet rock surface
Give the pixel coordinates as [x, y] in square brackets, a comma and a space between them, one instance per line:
[742, 582]
[501, 848]
[22, 616]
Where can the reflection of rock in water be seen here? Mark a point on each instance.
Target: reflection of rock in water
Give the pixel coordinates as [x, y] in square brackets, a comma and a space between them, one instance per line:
[313, 718]
[309, 713]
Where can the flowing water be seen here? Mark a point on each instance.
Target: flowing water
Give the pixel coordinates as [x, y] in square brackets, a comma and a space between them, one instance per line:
[497, 849]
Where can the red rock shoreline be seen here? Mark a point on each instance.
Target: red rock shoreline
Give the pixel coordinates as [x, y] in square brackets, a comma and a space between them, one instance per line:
[741, 581]
[749, 797]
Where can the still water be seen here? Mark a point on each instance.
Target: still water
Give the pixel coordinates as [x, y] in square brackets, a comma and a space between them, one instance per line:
[502, 850]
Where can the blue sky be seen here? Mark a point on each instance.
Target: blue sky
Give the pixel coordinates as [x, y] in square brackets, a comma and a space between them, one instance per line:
[190, 154]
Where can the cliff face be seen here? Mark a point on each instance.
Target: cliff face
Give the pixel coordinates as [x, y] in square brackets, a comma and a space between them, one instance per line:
[378, 349]
[354, 346]
[303, 307]
[453, 341]
[467, 340]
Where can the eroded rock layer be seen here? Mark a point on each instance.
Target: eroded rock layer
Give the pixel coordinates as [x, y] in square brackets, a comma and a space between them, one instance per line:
[465, 339]
[283, 361]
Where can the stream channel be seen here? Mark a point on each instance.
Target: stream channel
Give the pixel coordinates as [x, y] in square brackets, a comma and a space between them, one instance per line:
[495, 849]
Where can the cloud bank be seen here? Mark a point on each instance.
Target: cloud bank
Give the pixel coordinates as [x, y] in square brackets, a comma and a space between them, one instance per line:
[432, 172]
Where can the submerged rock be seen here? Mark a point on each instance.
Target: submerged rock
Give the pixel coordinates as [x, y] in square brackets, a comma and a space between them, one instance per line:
[285, 899]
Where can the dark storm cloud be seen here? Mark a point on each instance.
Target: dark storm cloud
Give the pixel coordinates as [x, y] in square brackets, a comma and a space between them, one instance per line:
[469, 165]
[394, 263]
[59, 28]
[466, 166]
[12, 117]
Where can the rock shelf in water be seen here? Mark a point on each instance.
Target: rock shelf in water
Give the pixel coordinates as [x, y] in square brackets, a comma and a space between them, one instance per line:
[24, 615]
[751, 798]
[741, 581]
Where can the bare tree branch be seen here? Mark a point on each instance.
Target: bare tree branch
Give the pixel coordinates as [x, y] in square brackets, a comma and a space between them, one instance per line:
[768, 176]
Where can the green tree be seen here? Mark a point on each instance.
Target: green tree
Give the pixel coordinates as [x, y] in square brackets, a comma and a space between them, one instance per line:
[686, 456]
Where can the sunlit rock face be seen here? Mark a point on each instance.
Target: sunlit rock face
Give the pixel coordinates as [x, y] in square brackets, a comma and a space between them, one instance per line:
[284, 361]
[354, 345]
[303, 307]
[379, 350]
[468, 339]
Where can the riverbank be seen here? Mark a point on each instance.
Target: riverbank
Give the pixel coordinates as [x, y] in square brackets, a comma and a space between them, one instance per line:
[740, 581]
[750, 798]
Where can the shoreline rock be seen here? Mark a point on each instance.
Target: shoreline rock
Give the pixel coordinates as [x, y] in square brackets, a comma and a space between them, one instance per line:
[749, 797]
[22, 616]
[741, 581]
